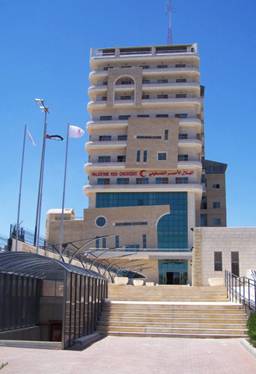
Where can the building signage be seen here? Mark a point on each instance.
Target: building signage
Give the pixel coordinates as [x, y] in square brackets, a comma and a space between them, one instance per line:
[142, 173]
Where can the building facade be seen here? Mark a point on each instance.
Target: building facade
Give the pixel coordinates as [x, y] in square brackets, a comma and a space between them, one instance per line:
[148, 182]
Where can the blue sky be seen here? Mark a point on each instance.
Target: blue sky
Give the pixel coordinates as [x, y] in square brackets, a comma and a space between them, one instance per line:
[45, 52]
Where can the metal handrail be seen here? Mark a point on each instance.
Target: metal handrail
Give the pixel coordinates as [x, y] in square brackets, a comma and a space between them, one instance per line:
[241, 290]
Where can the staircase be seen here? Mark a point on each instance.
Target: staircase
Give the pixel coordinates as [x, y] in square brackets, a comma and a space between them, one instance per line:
[171, 311]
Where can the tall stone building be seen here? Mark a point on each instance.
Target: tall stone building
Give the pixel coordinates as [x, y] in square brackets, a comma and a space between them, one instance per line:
[148, 183]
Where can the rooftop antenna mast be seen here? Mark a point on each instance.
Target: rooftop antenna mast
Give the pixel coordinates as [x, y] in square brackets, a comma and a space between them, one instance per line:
[169, 14]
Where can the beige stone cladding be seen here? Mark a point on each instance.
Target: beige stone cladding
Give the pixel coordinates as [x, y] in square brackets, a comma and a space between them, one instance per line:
[135, 73]
[143, 221]
[225, 240]
[142, 135]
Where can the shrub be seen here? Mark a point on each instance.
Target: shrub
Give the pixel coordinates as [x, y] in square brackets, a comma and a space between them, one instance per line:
[251, 324]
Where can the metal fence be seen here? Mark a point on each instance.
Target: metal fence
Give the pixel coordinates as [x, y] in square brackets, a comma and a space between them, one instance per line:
[19, 301]
[241, 290]
[83, 301]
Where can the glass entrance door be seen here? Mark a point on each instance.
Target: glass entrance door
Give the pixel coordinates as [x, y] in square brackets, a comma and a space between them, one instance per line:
[173, 272]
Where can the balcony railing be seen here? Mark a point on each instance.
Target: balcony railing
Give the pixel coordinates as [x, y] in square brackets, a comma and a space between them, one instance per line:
[241, 290]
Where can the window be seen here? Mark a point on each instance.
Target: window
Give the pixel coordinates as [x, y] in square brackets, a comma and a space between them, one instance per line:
[139, 223]
[146, 81]
[101, 221]
[235, 263]
[132, 246]
[166, 134]
[216, 185]
[180, 65]
[125, 97]
[145, 156]
[162, 81]
[144, 241]
[105, 118]
[97, 243]
[217, 261]
[104, 159]
[182, 157]
[216, 204]
[204, 202]
[104, 98]
[162, 115]
[103, 181]
[181, 95]
[145, 66]
[122, 137]
[181, 115]
[121, 158]
[203, 220]
[181, 80]
[162, 156]
[103, 138]
[148, 137]
[117, 241]
[162, 66]
[162, 180]
[182, 180]
[104, 242]
[162, 96]
[138, 156]
[216, 221]
[143, 115]
[144, 96]
[141, 180]
[183, 136]
[124, 116]
[122, 181]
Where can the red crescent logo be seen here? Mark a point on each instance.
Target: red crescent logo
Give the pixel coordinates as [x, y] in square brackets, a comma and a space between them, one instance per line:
[142, 173]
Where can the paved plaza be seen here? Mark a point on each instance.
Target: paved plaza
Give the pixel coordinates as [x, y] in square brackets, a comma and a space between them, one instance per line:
[135, 355]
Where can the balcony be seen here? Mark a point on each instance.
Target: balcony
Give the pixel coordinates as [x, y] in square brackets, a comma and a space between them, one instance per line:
[193, 187]
[98, 145]
[171, 86]
[113, 124]
[190, 142]
[171, 101]
[149, 51]
[89, 166]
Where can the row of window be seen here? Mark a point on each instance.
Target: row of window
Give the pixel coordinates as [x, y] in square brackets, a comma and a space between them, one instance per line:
[218, 262]
[142, 156]
[159, 66]
[102, 243]
[158, 180]
[159, 115]
[123, 137]
[148, 97]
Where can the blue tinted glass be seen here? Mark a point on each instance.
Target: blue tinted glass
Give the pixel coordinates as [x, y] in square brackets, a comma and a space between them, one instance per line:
[171, 229]
[100, 221]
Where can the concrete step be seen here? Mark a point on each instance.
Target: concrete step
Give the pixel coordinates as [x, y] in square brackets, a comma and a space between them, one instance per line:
[171, 319]
[200, 335]
[170, 330]
[173, 324]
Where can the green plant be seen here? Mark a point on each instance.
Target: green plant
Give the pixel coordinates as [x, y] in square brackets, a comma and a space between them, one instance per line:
[251, 324]
[3, 364]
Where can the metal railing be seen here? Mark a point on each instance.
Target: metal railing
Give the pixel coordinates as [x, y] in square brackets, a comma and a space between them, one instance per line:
[241, 290]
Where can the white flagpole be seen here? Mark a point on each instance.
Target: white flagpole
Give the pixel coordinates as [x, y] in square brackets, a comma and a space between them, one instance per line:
[20, 187]
[61, 238]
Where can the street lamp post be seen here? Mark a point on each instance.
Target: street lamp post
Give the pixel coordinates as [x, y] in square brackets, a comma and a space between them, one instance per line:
[40, 103]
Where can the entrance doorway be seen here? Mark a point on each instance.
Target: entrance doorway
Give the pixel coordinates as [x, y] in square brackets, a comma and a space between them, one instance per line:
[173, 272]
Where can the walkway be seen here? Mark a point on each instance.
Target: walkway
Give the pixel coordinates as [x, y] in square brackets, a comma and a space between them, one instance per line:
[135, 355]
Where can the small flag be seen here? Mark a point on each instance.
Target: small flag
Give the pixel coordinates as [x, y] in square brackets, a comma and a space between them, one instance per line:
[30, 137]
[75, 132]
[54, 137]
